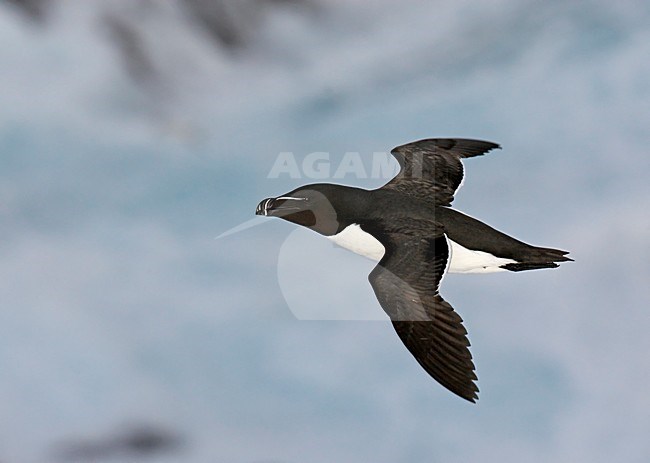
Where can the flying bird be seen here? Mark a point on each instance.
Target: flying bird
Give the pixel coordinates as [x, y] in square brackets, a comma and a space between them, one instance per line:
[409, 227]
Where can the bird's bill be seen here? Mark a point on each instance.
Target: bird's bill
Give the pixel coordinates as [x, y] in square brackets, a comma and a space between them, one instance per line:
[277, 207]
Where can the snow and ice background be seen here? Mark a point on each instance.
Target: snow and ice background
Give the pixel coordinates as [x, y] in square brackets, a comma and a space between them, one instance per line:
[134, 132]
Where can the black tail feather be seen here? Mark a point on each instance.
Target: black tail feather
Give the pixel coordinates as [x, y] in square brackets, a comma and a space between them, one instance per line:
[521, 266]
[539, 258]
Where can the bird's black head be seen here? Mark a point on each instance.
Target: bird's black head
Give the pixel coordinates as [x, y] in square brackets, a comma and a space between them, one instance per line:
[319, 207]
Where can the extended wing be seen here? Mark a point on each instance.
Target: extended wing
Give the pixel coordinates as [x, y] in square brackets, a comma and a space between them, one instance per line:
[431, 169]
[406, 284]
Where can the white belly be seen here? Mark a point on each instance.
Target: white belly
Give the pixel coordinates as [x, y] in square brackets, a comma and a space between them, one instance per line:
[462, 260]
[465, 260]
[356, 240]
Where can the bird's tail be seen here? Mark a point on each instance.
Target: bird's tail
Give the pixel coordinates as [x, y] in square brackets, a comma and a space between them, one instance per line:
[538, 258]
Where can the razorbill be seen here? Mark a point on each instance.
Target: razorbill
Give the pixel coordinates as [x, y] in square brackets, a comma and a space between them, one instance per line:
[409, 227]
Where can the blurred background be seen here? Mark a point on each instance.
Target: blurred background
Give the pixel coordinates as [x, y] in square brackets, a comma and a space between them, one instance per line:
[132, 133]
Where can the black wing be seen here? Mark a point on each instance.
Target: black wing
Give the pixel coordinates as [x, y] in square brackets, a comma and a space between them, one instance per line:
[406, 284]
[431, 169]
